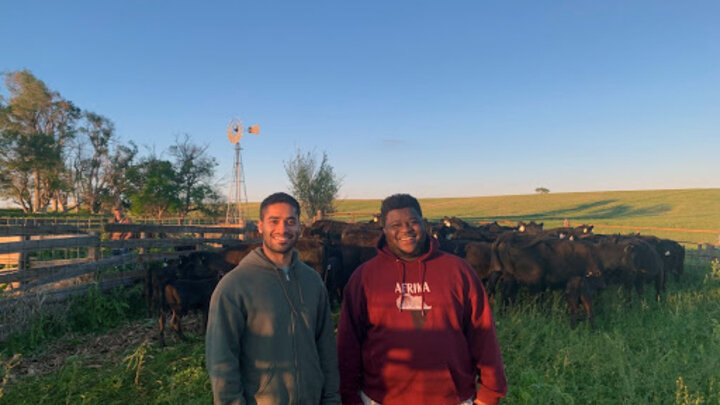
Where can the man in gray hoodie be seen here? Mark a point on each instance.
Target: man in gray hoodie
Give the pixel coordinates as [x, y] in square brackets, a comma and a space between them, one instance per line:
[270, 335]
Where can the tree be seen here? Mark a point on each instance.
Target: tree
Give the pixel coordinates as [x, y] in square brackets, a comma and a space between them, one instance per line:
[154, 187]
[35, 125]
[119, 187]
[90, 161]
[542, 190]
[316, 187]
[195, 171]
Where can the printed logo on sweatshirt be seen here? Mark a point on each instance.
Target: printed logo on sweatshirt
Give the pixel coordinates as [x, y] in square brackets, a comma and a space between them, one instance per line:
[410, 298]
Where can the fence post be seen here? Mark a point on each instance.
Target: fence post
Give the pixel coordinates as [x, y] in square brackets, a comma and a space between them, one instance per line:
[94, 252]
[24, 256]
[199, 246]
[143, 235]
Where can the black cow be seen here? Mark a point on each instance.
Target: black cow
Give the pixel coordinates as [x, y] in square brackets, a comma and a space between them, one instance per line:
[182, 296]
[327, 230]
[186, 285]
[539, 262]
[631, 261]
[578, 232]
[456, 228]
[530, 228]
[671, 253]
[358, 243]
[476, 253]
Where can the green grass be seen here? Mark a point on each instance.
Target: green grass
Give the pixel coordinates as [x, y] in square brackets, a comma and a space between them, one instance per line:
[94, 312]
[643, 352]
[688, 209]
[144, 375]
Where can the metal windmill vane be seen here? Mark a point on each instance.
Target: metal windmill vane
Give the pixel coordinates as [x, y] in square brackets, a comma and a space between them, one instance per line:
[237, 198]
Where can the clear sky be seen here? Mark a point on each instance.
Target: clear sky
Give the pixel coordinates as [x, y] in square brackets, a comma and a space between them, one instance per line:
[434, 98]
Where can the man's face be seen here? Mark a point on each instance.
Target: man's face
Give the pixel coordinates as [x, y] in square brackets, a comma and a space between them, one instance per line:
[279, 228]
[405, 233]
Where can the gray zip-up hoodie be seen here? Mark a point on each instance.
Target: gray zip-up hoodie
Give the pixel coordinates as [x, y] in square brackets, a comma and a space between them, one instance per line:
[270, 340]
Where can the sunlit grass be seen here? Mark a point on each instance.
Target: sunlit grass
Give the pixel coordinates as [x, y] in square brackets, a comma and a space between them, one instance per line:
[643, 352]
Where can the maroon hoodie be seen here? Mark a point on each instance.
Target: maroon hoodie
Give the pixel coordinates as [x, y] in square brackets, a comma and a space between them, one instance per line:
[418, 332]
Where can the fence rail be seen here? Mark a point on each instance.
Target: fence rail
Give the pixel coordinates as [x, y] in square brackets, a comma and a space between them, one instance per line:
[34, 273]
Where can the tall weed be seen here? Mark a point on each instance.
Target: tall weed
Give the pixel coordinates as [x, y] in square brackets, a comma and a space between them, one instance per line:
[5, 367]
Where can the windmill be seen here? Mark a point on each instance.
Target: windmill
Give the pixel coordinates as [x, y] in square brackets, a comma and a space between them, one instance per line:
[237, 198]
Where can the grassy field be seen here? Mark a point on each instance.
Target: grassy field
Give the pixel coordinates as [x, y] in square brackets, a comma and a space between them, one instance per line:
[643, 352]
[684, 209]
[688, 209]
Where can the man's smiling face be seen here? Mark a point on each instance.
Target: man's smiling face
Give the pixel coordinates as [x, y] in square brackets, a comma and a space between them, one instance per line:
[405, 233]
[280, 228]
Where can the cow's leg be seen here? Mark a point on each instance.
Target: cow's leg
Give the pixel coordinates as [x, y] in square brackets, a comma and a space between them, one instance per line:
[491, 283]
[640, 286]
[148, 290]
[659, 285]
[161, 326]
[572, 296]
[587, 304]
[175, 321]
[509, 288]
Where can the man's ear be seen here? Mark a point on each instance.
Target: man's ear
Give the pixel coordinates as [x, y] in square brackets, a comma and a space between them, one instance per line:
[259, 226]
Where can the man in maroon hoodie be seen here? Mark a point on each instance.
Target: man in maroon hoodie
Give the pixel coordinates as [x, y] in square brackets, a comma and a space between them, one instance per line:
[415, 325]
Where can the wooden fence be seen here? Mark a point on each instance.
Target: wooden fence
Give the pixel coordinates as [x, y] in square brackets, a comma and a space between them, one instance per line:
[55, 262]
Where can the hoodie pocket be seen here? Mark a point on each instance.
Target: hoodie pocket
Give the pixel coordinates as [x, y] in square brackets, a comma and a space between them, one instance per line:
[435, 384]
[266, 377]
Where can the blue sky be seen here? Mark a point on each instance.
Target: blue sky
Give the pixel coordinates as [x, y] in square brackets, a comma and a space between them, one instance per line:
[437, 99]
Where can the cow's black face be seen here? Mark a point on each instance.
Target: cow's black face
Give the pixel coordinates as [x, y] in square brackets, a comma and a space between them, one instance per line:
[405, 233]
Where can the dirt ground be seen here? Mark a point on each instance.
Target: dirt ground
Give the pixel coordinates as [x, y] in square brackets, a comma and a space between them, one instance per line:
[98, 350]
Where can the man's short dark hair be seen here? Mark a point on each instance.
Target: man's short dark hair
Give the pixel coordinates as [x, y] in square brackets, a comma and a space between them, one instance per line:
[396, 202]
[279, 198]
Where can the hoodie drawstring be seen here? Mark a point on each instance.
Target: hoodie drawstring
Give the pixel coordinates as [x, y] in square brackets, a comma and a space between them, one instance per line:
[402, 286]
[422, 284]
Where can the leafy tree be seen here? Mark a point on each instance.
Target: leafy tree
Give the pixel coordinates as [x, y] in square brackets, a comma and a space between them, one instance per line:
[195, 171]
[35, 126]
[91, 164]
[542, 190]
[154, 188]
[122, 162]
[315, 186]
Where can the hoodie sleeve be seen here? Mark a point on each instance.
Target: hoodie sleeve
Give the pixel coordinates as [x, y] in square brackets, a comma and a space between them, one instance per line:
[226, 322]
[327, 351]
[351, 334]
[483, 344]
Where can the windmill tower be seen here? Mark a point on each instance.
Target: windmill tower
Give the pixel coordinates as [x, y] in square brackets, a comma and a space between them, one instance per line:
[237, 198]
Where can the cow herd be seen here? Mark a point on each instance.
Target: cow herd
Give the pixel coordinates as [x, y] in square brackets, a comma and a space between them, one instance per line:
[574, 260]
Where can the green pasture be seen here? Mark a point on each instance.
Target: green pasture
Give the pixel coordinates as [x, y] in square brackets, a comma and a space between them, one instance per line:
[682, 209]
[643, 352]
[687, 209]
